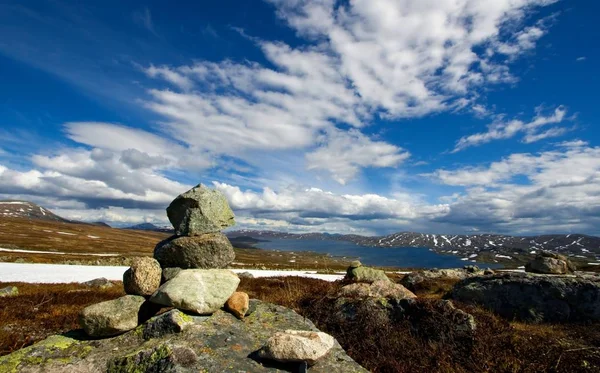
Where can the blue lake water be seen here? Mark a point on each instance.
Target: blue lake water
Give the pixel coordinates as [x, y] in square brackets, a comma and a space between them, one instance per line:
[413, 257]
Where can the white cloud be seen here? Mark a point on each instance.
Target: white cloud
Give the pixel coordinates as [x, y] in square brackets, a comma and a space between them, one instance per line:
[344, 153]
[560, 191]
[501, 129]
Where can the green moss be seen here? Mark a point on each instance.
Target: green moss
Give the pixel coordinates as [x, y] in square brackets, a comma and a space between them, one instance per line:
[52, 348]
[140, 361]
[186, 318]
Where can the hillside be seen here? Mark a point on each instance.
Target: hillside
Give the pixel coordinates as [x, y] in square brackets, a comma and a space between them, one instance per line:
[25, 209]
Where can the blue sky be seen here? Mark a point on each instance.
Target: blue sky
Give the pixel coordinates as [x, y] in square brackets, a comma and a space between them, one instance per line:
[359, 116]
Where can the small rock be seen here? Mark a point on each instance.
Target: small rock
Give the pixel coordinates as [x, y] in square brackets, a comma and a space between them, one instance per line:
[488, 271]
[471, 269]
[202, 291]
[200, 210]
[143, 278]
[170, 322]
[245, 275]
[297, 346]
[9, 291]
[355, 264]
[238, 304]
[99, 283]
[211, 250]
[169, 273]
[112, 317]
[365, 274]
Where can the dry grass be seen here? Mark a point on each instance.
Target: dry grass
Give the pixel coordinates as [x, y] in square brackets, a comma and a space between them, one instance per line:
[41, 235]
[41, 310]
[380, 345]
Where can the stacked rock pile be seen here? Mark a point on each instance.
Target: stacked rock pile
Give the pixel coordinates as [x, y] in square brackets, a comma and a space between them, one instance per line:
[188, 273]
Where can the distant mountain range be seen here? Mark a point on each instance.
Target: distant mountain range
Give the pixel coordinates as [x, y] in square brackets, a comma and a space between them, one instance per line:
[151, 227]
[468, 246]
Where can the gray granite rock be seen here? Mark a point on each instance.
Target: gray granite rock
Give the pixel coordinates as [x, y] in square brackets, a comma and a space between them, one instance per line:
[200, 210]
[211, 250]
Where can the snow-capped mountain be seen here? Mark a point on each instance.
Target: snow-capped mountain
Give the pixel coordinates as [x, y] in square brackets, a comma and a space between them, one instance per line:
[25, 209]
[463, 245]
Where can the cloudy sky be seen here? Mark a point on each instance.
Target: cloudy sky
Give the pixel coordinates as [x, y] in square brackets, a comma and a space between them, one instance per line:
[351, 116]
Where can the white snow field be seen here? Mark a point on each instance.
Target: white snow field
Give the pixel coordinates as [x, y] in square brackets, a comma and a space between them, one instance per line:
[62, 273]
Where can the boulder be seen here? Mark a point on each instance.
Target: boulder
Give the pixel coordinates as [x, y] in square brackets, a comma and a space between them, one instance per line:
[550, 263]
[212, 250]
[170, 322]
[143, 277]
[437, 319]
[534, 298]
[99, 283]
[378, 289]
[9, 291]
[112, 317]
[297, 346]
[238, 304]
[414, 280]
[200, 210]
[202, 291]
[365, 274]
[220, 343]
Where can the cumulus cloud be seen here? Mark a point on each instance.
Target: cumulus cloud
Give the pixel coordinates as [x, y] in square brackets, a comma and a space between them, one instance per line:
[501, 129]
[361, 61]
[559, 190]
[344, 153]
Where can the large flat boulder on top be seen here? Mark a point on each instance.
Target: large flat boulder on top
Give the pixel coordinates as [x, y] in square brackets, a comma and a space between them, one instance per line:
[534, 298]
[211, 250]
[202, 291]
[200, 210]
[214, 344]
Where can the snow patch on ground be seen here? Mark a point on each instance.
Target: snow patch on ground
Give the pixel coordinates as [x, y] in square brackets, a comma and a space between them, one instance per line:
[93, 237]
[52, 252]
[68, 234]
[503, 256]
[62, 273]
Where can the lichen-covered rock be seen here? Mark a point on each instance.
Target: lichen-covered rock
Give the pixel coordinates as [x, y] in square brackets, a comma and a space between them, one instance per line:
[143, 277]
[202, 291]
[211, 250]
[297, 346]
[534, 298]
[164, 358]
[378, 289]
[220, 343]
[550, 263]
[112, 317]
[238, 304]
[365, 274]
[413, 280]
[200, 210]
[170, 322]
[9, 291]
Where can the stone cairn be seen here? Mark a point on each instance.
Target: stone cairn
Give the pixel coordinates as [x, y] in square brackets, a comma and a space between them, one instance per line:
[188, 273]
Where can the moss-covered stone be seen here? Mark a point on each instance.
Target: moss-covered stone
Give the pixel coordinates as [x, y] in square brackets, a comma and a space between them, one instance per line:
[53, 348]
